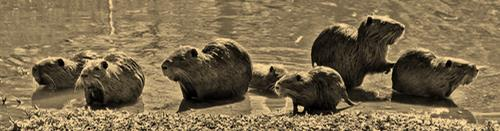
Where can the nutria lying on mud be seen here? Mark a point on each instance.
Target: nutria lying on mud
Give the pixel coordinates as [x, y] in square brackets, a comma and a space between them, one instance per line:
[265, 76]
[420, 72]
[221, 70]
[114, 79]
[357, 52]
[321, 88]
[59, 72]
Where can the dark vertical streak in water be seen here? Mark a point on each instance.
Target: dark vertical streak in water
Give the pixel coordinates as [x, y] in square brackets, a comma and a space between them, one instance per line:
[226, 18]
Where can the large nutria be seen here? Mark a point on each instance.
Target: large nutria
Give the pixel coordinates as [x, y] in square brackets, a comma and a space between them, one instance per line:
[114, 79]
[420, 72]
[221, 70]
[265, 76]
[59, 72]
[357, 52]
[321, 88]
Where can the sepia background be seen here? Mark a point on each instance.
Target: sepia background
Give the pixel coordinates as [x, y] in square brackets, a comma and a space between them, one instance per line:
[273, 32]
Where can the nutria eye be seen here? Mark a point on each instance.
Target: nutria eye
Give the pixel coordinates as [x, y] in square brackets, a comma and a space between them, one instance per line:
[298, 78]
[60, 62]
[448, 63]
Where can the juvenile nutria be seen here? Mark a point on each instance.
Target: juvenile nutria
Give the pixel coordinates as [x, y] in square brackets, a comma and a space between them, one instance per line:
[114, 79]
[321, 88]
[221, 70]
[59, 72]
[357, 52]
[420, 72]
[265, 76]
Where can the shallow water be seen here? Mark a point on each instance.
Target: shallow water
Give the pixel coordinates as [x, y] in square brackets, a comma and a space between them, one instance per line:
[273, 32]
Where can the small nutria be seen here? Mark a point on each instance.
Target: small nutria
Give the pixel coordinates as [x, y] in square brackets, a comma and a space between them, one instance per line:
[58, 72]
[114, 79]
[321, 88]
[265, 76]
[420, 72]
[221, 70]
[355, 53]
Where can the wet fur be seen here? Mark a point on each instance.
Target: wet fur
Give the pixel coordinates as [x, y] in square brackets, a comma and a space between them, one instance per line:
[53, 74]
[120, 81]
[264, 77]
[221, 70]
[321, 88]
[420, 72]
[357, 52]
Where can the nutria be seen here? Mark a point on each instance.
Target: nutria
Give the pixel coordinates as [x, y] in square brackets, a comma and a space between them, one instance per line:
[357, 52]
[420, 72]
[321, 88]
[59, 72]
[221, 70]
[265, 76]
[114, 79]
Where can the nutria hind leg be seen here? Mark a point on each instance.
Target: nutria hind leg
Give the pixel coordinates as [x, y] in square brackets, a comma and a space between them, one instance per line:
[295, 107]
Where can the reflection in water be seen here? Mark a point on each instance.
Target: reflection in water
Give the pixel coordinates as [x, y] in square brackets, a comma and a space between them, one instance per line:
[193, 104]
[226, 18]
[110, 17]
[444, 108]
[46, 98]
[401, 98]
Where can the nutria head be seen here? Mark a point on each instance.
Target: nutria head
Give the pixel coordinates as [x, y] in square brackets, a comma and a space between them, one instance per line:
[55, 72]
[382, 29]
[462, 71]
[265, 78]
[91, 80]
[299, 86]
[183, 60]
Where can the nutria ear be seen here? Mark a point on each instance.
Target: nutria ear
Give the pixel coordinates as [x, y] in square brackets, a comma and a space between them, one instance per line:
[194, 53]
[448, 63]
[369, 20]
[298, 77]
[104, 65]
[271, 69]
[60, 62]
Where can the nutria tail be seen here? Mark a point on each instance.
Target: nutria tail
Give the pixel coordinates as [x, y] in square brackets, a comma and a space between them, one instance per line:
[345, 96]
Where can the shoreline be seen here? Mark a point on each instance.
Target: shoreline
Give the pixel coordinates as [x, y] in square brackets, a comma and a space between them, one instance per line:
[84, 119]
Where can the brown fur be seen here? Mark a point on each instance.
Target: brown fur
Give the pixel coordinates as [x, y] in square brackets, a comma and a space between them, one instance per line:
[114, 79]
[357, 52]
[420, 72]
[264, 77]
[321, 88]
[221, 70]
[58, 72]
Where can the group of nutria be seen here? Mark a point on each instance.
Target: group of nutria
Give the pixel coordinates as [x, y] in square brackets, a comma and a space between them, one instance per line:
[342, 56]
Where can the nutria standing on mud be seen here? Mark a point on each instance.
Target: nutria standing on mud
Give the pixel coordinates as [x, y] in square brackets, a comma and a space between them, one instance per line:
[221, 70]
[265, 76]
[357, 52]
[58, 72]
[420, 72]
[321, 88]
[115, 79]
